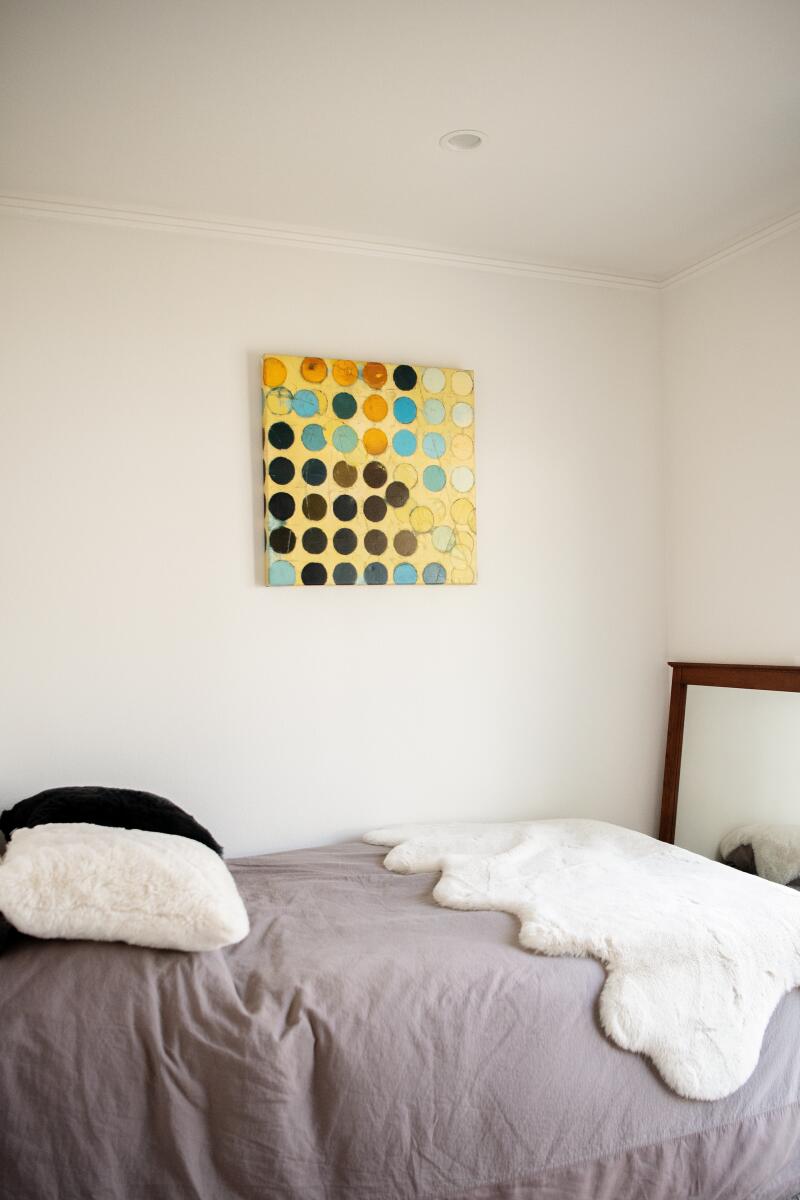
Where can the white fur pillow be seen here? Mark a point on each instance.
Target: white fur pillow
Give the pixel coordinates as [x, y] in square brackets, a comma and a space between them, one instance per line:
[119, 885]
[772, 851]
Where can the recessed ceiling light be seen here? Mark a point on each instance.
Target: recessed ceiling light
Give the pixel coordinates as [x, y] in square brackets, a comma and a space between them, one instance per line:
[462, 139]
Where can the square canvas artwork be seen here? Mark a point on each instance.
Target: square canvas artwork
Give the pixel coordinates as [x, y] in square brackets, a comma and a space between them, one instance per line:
[369, 473]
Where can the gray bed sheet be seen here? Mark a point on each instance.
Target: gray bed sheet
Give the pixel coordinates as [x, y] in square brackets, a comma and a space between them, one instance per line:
[361, 1044]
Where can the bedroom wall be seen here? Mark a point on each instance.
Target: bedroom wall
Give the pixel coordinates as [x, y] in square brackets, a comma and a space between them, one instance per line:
[139, 645]
[732, 411]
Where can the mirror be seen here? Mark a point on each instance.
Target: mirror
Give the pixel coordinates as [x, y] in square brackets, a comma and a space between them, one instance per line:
[740, 764]
[733, 752]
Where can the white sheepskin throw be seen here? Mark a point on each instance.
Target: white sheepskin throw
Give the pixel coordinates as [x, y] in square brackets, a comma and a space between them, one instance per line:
[119, 885]
[697, 954]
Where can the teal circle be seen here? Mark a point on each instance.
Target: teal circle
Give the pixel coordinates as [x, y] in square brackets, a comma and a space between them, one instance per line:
[344, 405]
[405, 410]
[305, 403]
[434, 445]
[404, 443]
[404, 573]
[313, 437]
[345, 438]
[434, 411]
[434, 478]
[434, 573]
[281, 573]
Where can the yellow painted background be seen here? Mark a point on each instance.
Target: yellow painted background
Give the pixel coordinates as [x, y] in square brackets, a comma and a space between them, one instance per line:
[429, 514]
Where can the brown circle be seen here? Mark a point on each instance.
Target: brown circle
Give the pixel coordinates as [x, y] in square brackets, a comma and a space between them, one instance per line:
[375, 542]
[405, 542]
[374, 508]
[375, 474]
[344, 474]
[314, 507]
[397, 495]
[375, 374]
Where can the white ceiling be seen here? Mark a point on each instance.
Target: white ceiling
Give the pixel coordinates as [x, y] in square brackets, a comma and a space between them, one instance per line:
[633, 137]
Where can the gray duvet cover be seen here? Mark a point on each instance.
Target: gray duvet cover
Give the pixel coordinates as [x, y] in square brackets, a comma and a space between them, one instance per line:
[360, 1044]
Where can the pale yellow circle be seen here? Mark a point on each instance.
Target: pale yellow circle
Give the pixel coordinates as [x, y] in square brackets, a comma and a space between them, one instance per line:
[472, 521]
[461, 511]
[421, 519]
[462, 575]
[322, 400]
[460, 556]
[461, 383]
[279, 401]
[465, 539]
[375, 441]
[405, 473]
[462, 414]
[438, 508]
[273, 372]
[462, 479]
[461, 446]
[433, 379]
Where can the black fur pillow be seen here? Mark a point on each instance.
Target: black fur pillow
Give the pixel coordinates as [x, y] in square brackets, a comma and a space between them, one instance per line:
[121, 808]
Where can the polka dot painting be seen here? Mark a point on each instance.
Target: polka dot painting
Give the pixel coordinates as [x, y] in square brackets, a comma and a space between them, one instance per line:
[369, 473]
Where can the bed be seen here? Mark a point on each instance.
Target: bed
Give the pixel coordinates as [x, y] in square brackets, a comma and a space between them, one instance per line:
[361, 1044]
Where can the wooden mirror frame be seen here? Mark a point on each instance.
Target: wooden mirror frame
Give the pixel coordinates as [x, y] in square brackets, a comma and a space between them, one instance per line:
[730, 675]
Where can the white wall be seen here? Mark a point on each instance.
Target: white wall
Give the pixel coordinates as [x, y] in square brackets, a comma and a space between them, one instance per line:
[139, 646]
[732, 403]
[732, 410]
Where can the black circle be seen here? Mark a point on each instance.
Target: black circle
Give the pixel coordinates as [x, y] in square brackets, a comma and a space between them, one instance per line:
[374, 508]
[344, 508]
[281, 435]
[397, 495]
[375, 474]
[405, 377]
[344, 405]
[314, 540]
[375, 573]
[281, 470]
[375, 542]
[344, 573]
[314, 472]
[281, 505]
[344, 541]
[314, 507]
[313, 574]
[282, 540]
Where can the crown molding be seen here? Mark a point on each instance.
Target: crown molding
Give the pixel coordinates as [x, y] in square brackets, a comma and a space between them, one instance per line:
[312, 239]
[278, 235]
[767, 233]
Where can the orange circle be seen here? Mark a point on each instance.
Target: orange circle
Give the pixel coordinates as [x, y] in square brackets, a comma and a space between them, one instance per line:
[375, 408]
[313, 369]
[273, 372]
[374, 441]
[345, 372]
[375, 374]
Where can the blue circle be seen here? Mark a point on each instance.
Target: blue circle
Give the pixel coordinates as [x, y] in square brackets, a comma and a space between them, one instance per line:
[344, 574]
[404, 573]
[434, 573]
[434, 445]
[434, 478]
[375, 573]
[281, 574]
[313, 437]
[434, 411]
[404, 442]
[305, 403]
[345, 438]
[405, 410]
